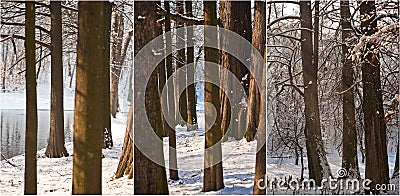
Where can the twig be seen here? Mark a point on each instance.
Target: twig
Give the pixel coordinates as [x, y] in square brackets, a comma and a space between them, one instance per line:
[12, 164]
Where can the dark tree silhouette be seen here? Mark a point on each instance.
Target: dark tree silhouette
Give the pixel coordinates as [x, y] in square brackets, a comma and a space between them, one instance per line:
[376, 165]
[349, 137]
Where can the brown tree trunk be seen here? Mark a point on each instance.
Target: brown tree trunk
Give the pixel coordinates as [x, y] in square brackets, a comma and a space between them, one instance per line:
[376, 166]
[107, 136]
[213, 175]
[235, 16]
[149, 175]
[161, 83]
[30, 175]
[259, 40]
[317, 163]
[261, 160]
[125, 161]
[191, 92]
[180, 62]
[88, 131]
[55, 146]
[116, 61]
[173, 172]
[349, 137]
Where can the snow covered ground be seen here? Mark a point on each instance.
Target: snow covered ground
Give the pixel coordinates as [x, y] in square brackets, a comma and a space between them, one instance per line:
[55, 175]
[281, 168]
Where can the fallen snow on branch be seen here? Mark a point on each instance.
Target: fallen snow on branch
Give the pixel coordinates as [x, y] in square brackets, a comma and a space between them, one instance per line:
[383, 34]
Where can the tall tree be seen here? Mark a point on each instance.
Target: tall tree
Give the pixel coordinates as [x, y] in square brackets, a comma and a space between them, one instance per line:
[173, 173]
[107, 135]
[317, 163]
[55, 146]
[259, 41]
[30, 177]
[180, 63]
[235, 16]
[213, 175]
[162, 79]
[376, 166]
[191, 91]
[149, 176]
[116, 59]
[88, 131]
[349, 137]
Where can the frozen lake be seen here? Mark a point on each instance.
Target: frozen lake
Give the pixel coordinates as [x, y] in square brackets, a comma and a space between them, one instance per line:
[12, 123]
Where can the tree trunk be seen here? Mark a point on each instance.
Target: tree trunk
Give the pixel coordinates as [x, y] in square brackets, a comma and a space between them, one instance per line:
[376, 166]
[259, 40]
[107, 135]
[88, 128]
[55, 146]
[213, 175]
[191, 92]
[317, 163]
[125, 161]
[349, 137]
[235, 16]
[261, 161]
[116, 66]
[162, 78]
[180, 63]
[30, 177]
[173, 172]
[149, 171]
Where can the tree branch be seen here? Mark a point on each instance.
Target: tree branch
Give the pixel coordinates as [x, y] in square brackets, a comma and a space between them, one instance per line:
[6, 37]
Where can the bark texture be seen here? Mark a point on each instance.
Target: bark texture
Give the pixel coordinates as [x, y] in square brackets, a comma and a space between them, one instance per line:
[30, 175]
[317, 163]
[55, 147]
[88, 131]
[149, 176]
[349, 137]
[376, 165]
[213, 174]
[107, 136]
[235, 16]
[259, 40]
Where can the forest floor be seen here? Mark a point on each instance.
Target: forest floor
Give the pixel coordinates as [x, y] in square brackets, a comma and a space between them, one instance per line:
[284, 166]
[55, 175]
